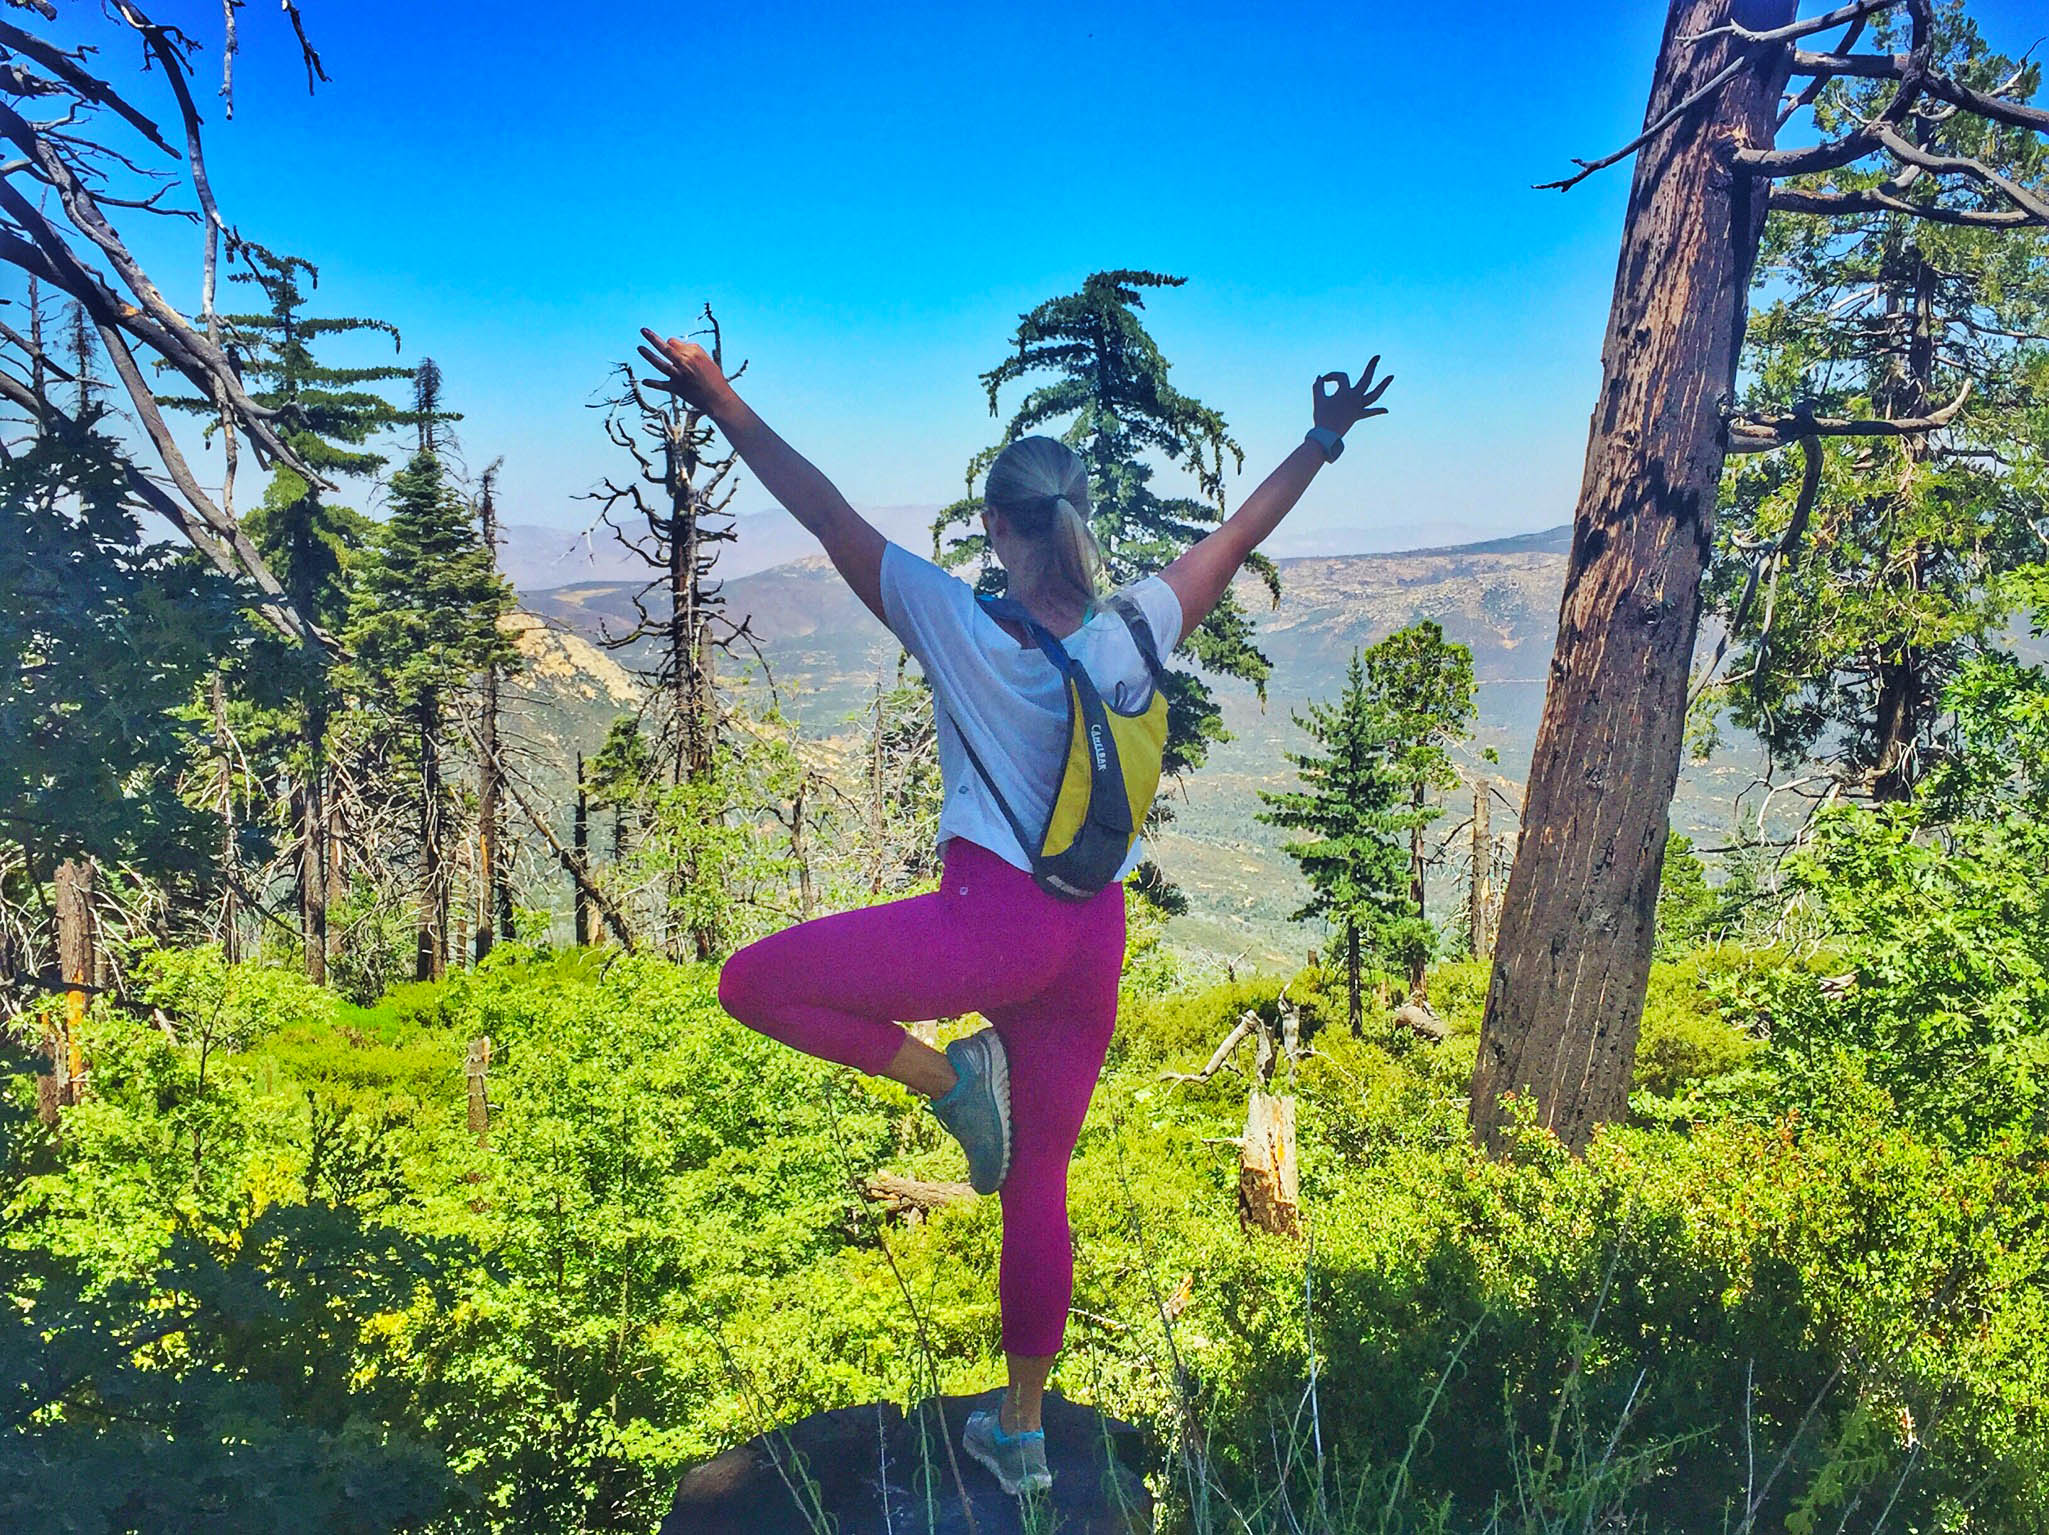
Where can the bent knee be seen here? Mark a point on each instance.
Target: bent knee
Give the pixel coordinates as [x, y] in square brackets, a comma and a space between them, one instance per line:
[743, 984]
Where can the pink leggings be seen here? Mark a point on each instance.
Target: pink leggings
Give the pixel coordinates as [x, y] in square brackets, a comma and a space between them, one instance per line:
[1043, 971]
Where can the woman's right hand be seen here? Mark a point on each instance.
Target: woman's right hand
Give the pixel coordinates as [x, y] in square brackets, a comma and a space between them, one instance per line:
[688, 371]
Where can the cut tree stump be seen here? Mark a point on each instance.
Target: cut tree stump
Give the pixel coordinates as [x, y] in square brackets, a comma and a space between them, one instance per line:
[874, 1470]
[1268, 1195]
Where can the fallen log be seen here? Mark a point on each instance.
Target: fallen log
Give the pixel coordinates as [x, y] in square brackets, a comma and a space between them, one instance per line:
[912, 1198]
[1417, 1018]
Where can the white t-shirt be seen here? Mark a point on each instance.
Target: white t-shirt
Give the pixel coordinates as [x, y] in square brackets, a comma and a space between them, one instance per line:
[1007, 697]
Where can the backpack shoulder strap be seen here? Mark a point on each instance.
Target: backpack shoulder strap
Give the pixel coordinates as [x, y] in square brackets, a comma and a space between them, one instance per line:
[1012, 609]
[1017, 830]
[1141, 633]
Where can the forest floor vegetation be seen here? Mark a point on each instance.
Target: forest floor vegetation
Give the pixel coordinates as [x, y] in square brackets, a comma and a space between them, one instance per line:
[266, 1273]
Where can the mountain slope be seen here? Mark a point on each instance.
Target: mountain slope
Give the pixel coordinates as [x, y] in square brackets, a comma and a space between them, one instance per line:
[825, 651]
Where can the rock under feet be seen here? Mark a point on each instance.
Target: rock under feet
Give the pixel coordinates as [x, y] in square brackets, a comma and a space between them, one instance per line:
[875, 1470]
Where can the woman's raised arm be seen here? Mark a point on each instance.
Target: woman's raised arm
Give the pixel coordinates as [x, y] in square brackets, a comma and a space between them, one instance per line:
[852, 543]
[1200, 576]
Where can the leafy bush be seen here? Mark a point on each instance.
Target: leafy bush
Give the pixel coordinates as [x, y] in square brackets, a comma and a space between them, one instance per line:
[656, 1251]
[1861, 1310]
[1686, 1037]
[1939, 946]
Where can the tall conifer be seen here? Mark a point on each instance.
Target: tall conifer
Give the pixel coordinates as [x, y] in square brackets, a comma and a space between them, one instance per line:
[1419, 687]
[1858, 588]
[426, 621]
[1348, 807]
[328, 415]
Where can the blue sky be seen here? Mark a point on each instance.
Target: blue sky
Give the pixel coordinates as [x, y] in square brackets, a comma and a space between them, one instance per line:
[869, 196]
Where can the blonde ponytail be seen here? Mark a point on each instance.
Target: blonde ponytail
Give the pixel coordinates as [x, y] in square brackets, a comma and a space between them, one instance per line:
[1042, 487]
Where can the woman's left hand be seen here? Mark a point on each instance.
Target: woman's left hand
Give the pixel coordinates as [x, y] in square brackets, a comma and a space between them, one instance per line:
[1346, 402]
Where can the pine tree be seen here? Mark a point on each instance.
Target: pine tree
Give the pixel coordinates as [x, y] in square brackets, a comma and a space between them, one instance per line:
[327, 415]
[1858, 594]
[104, 641]
[1419, 687]
[1108, 383]
[1349, 804]
[426, 621]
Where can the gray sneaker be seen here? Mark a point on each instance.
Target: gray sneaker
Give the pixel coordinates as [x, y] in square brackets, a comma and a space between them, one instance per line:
[1017, 1461]
[976, 1111]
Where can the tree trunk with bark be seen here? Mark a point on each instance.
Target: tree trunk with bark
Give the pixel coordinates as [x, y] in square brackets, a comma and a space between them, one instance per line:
[231, 872]
[1419, 956]
[1353, 1006]
[430, 959]
[580, 850]
[77, 972]
[313, 875]
[336, 867]
[1480, 906]
[1572, 955]
[1906, 696]
[494, 918]
[1269, 1192]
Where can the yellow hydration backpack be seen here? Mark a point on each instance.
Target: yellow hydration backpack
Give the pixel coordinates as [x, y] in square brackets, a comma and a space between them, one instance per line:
[1112, 769]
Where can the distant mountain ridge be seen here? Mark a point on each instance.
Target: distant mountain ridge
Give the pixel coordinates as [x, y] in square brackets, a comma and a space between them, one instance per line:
[1500, 598]
[541, 559]
[1556, 540]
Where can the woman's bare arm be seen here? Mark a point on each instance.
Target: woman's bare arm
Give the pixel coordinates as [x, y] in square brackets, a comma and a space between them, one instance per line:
[1201, 575]
[851, 542]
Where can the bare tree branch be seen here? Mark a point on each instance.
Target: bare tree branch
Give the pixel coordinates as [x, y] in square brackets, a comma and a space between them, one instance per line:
[1587, 167]
[306, 49]
[1783, 554]
[1806, 161]
[1856, 11]
[1761, 434]
[72, 167]
[221, 555]
[88, 87]
[1905, 149]
[1893, 66]
[1796, 200]
[1819, 83]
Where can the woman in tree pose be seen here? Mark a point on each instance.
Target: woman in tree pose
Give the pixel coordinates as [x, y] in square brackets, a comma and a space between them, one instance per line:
[1043, 970]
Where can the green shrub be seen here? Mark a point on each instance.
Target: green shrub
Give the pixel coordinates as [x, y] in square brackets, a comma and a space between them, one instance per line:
[1686, 1038]
[1935, 986]
[656, 1251]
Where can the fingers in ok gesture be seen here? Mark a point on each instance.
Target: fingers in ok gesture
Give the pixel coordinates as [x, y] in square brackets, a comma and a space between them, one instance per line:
[1340, 402]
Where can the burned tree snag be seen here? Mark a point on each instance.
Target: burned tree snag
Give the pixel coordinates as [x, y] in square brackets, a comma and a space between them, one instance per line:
[1269, 1191]
[476, 1070]
[494, 918]
[1480, 903]
[671, 514]
[580, 854]
[1573, 951]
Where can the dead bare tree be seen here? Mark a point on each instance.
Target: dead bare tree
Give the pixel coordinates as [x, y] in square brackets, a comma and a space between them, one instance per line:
[66, 128]
[1573, 951]
[494, 917]
[670, 513]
